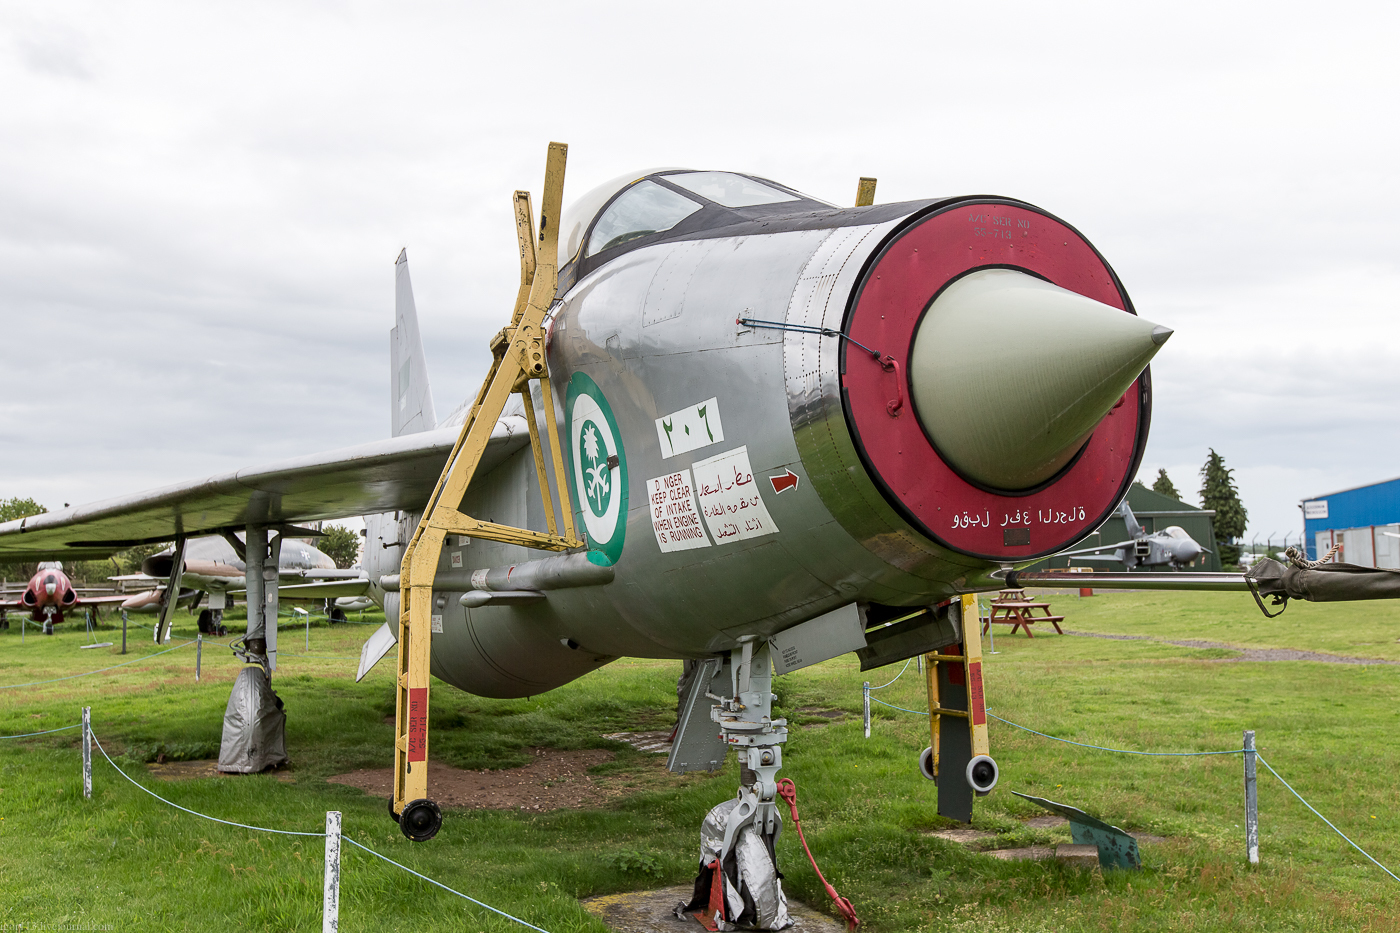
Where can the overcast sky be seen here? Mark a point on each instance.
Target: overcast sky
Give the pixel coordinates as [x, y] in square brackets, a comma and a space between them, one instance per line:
[200, 205]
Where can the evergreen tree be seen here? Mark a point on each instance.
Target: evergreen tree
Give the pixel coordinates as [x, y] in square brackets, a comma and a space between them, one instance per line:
[340, 544]
[1218, 492]
[1164, 484]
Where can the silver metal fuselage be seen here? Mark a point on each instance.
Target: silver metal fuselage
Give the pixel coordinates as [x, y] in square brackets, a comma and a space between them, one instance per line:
[656, 330]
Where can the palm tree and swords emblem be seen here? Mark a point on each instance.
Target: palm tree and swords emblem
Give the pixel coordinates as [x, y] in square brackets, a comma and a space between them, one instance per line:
[599, 487]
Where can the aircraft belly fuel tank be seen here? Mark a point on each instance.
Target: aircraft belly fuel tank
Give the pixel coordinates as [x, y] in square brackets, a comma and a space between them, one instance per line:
[979, 399]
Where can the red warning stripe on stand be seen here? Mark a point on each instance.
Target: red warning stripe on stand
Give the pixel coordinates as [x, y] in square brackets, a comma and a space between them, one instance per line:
[417, 723]
[975, 701]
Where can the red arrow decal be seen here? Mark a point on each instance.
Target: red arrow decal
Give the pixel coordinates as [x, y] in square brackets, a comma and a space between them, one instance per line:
[785, 482]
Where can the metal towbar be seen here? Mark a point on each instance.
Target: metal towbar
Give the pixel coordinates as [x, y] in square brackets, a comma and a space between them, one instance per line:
[518, 359]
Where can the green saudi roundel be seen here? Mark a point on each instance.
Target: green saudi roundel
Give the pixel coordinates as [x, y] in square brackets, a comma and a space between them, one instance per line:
[599, 472]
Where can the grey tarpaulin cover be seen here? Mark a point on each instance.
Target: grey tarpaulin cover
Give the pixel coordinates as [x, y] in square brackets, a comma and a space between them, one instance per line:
[1323, 583]
[254, 725]
[753, 889]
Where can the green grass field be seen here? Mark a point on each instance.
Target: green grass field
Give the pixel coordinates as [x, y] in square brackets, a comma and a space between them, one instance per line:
[127, 862]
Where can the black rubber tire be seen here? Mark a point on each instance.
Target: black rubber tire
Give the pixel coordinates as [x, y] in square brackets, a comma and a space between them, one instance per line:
[420, 820]
[926, 763]
[392, 815]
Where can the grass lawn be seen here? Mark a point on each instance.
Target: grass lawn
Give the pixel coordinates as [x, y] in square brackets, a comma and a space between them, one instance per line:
[125, 861]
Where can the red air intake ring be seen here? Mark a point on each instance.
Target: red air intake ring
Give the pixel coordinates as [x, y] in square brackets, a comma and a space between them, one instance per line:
[897, 288]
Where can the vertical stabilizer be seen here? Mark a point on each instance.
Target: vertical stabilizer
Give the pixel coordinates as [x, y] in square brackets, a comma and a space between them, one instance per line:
[410, 396]
[1130, 520]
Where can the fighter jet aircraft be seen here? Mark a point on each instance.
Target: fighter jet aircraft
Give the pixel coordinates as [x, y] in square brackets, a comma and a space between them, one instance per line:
[1170, 547]
[780, 430]
[50, 594]
[213, 566]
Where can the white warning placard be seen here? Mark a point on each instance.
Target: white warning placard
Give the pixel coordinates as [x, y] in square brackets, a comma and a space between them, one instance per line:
[674, 515]
[730, 499]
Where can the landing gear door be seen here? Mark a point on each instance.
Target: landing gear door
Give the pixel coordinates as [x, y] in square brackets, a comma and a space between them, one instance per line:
[698, 745]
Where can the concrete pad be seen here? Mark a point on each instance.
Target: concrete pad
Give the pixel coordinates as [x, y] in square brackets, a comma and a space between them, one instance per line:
[1079, 856]
[964, 837]
[651, 912]
[1048, 821]
[1028, 853]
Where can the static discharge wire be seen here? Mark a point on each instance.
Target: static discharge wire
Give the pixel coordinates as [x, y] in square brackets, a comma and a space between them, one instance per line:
[101, 671]
[805, 329]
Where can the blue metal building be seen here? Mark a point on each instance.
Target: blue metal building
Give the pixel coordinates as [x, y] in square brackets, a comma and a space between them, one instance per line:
[1365, 521]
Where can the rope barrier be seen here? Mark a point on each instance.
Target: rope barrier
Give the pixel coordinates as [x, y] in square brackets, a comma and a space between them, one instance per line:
[1121, 751]
[1129, 751]
[1323, 818]
[896, 676]
[203, 816]
[892, 706]
[25, 735]
[467, 897]
[288, 832]
[101, 671]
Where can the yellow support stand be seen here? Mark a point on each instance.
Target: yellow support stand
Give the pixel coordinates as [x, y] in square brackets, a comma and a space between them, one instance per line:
[971, 661]
[518, 353]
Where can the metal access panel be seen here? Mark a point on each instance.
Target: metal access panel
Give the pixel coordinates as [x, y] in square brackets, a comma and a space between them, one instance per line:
[922, 634]
[699, 745]
[828, 636]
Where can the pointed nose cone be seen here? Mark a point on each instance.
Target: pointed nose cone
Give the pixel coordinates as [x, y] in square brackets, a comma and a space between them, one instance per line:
[1011, 374]
[50, 587]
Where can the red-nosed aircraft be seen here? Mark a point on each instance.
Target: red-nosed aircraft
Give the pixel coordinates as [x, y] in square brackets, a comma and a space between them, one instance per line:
[50, 594]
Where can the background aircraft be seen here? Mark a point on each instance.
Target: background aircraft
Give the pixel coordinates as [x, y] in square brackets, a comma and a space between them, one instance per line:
[789, 430]
[1170, 547]
[50, 594]
[213, 567]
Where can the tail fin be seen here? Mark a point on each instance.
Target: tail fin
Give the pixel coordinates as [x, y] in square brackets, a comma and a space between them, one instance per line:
[1130, 520]
[410, 396]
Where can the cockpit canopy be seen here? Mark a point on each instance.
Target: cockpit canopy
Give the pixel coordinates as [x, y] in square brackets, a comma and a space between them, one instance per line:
[1176, 531]
[632, 207]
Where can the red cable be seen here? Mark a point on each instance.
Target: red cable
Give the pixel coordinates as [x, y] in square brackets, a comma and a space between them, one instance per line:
[788, 791]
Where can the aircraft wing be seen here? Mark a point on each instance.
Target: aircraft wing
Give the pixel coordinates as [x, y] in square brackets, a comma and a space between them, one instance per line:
[398, 473]
[1091, 550]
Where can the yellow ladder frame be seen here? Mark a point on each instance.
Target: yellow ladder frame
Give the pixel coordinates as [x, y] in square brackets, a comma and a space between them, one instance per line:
[971, 660]
[518, 358]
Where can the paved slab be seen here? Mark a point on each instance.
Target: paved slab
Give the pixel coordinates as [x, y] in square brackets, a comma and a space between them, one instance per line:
[651, 912]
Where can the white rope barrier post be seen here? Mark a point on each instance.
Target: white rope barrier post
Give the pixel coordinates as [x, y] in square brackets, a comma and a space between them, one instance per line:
[198, 654]
[123, 631]
[866, 692]
[87, 752]
[1251, 799]
[330, 912]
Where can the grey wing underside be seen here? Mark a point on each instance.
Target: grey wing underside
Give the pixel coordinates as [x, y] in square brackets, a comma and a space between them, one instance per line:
[382, 476]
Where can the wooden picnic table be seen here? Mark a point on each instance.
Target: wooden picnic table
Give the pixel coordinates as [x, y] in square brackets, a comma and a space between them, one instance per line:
[1017, 611]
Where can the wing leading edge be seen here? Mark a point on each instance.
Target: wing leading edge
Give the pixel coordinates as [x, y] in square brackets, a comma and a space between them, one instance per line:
[398, 473]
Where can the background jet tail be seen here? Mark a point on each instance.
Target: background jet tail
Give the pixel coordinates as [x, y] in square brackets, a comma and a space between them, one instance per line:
[1129, 519]
[410, 395]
